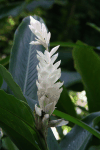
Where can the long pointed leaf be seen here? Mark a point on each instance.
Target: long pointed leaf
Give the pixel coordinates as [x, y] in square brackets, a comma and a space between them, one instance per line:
[11, 83]
[17, 120]
[19, 140]
[1, 80]
[8, 144]
[23, 59]
[87, 63]
[79, 138]
[51, 141]
[78, 122]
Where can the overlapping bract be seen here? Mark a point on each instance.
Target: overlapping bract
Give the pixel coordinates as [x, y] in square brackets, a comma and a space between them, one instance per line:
[39, 29]
[49, 89]
[48, 73]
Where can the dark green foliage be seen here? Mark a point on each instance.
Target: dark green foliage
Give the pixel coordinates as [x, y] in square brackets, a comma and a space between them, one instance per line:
[11, 83]
[87, 63]
[16, 117]
[65, 104]
[1, 80]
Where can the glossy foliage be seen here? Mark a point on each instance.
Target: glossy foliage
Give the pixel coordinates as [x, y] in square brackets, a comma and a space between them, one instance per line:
[16, 117]
[23, 59]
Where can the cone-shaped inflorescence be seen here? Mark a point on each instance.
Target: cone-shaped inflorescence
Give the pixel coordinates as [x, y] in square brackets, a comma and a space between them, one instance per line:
[49, 89]
[39, 29]
[48, 73]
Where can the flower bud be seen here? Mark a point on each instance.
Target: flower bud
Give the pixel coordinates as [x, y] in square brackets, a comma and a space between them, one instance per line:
[39, 29]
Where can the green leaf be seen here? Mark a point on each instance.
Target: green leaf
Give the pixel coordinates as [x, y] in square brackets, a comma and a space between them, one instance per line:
[64, 103]
[51, 141]
[21, 141]
[1, 80]
[66, 59]
[70, 78]
[12, 9]
[93, 26]
[16, 119]
[94, 148]
[68, 44]
[0, 143]
[4, 86]
[8, 144]
[87, 63]
[5, 61]
[78, 122]
[31, 102]
[79, 138]
[18, 107]
[23, 59]
[11, 83]
[64, 44]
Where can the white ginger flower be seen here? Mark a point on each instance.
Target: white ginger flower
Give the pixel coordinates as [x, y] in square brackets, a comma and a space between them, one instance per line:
[39, 29]
[48, 89]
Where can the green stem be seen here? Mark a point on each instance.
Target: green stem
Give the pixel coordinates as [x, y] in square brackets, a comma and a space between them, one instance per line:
[43, 141]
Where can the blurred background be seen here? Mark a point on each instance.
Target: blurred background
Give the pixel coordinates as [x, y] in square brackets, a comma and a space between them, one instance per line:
[67, 20]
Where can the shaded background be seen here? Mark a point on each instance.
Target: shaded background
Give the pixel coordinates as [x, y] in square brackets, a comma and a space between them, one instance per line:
[66, 19]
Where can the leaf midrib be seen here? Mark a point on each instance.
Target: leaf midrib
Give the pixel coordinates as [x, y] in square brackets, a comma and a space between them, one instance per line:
[27, 70]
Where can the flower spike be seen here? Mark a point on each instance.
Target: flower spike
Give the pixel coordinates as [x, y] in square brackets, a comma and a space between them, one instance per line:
[49, 89]
[39, 29]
